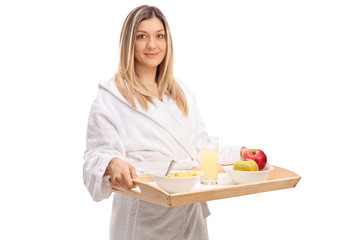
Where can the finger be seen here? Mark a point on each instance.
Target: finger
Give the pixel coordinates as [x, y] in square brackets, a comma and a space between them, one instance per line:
[118, 181]
[133, 175]
[120, 178]
[126, 179]
[133, 172]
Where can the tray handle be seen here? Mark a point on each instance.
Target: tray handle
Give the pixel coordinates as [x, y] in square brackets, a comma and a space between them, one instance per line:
[146, 192]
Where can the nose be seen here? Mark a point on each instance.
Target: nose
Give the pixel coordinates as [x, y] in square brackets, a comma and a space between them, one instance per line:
[151, 44]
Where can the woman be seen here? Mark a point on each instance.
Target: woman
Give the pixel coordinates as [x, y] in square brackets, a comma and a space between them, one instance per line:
[141, 120]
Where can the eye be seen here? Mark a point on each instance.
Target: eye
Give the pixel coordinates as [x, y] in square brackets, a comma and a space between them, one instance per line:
[160, 36]
[141, 36]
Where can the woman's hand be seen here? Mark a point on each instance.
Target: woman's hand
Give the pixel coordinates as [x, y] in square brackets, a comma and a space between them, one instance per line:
[121, 173]
[243, 149]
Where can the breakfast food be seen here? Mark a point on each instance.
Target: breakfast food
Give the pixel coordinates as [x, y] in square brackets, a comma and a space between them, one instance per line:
[257, 155]
[184, 174]
[248, 165]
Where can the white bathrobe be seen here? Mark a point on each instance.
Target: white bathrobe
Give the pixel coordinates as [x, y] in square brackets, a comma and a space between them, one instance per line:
[149, 140]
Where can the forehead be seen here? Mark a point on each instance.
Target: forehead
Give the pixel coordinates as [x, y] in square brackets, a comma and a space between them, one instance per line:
[151, 25]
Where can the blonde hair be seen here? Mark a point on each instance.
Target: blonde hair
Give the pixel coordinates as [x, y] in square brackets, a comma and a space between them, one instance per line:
[126, 79]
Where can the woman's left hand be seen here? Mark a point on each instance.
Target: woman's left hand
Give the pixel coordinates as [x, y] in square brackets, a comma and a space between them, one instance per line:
[243, 149]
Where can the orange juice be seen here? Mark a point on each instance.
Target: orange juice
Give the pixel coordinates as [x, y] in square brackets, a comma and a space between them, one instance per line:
[209, 165]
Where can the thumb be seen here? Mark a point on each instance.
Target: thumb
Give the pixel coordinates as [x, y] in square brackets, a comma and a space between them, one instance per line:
[133, 172]
[133, 175]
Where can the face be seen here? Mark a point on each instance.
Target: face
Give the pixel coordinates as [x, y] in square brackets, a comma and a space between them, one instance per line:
[150, 43]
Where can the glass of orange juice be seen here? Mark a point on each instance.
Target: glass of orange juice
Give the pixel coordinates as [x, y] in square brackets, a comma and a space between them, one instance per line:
[209, 161]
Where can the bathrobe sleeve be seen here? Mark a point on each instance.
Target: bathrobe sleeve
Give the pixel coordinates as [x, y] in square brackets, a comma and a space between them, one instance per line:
[228, 154]
[102, 144]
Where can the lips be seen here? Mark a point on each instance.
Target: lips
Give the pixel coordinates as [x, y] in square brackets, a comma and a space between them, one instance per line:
[151, 55]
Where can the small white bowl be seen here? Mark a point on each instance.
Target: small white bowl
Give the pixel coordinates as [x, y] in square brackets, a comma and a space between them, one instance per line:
[176, 184]
[242, 177]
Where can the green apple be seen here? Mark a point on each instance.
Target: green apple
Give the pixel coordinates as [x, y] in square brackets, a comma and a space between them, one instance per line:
[246, 165]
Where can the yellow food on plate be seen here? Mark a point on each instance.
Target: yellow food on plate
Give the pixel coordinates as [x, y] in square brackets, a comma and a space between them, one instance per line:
[184, 174]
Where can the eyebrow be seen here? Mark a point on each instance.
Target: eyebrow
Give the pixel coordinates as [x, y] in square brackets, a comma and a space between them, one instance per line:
[146, 32]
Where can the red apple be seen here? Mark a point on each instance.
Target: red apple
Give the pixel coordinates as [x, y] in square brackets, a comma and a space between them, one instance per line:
[257, 155]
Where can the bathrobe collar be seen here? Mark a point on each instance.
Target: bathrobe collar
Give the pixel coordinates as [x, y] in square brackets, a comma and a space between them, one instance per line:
[159, 115]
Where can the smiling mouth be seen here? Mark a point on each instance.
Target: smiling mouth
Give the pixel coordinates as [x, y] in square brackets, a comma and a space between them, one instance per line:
[151, 54]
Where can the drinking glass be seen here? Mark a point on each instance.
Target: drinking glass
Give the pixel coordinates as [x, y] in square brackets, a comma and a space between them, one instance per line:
[209, 161]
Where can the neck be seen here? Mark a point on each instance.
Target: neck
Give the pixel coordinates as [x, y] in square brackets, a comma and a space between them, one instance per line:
[147, 77]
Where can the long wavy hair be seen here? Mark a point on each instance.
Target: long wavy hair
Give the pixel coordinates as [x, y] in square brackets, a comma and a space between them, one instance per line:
[126, 79]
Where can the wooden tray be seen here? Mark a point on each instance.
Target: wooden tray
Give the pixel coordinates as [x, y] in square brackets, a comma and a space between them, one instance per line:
[147, 190]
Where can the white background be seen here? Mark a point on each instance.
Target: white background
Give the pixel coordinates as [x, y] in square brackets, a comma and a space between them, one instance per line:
[276, 75]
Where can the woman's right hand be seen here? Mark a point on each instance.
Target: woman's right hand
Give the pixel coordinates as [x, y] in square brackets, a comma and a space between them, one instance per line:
[121, 173]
